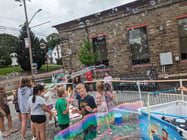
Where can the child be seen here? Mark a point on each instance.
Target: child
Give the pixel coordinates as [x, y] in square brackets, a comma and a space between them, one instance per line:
[101, 104]
[5, 111]
[76, 81]
[37, 110]
[24, 92]
[109, 97]
[15, 101]
[87, 106]
[62, 107]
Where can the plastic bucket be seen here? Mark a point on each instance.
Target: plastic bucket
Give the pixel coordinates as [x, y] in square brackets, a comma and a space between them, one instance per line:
[117, 119]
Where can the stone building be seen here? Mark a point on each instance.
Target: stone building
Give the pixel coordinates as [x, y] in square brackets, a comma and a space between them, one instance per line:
[132, 38]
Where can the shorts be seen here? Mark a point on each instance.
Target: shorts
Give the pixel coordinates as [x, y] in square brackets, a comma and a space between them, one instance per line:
[38, 118]
[90, 132]
[64, 126]
[17, 107]
[6, 109]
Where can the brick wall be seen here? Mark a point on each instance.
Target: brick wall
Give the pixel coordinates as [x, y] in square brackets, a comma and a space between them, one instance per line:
[115, 25]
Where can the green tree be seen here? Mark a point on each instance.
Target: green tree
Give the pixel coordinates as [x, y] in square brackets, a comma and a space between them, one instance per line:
[7, 60]
[52, 40]
[86, 56]
[8, 44]
[23, 53]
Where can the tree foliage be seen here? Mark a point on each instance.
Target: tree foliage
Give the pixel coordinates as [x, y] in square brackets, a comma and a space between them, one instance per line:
[86, 56]
[52, 40]
[38, 54]
[8, 44]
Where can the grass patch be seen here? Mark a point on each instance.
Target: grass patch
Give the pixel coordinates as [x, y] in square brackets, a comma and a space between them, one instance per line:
[44, 67]
[10, 69]
[7, 70]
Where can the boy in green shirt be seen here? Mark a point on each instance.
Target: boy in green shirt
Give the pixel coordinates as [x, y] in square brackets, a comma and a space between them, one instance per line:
[62, 107]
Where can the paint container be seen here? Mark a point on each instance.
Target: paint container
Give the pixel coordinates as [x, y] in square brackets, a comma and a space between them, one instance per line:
[117, 119]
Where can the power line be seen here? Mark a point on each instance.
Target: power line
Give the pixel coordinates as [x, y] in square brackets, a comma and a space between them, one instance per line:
[12, 18]
[19, 30]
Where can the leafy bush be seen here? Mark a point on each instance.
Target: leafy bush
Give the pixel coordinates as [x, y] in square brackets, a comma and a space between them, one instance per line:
[59, 61]
[7, 59]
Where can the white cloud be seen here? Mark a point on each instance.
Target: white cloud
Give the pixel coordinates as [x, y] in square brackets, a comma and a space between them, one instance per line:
[55, 11]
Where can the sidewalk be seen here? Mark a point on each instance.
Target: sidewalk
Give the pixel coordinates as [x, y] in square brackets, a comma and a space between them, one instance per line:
[50, 127]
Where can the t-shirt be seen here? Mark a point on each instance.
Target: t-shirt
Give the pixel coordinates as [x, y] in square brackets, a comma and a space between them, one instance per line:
[89, 75]
[102, 107]
[61, 105]
[87, 101]
[23, 95]
[36, 107]
[108, 99]
[107, 79]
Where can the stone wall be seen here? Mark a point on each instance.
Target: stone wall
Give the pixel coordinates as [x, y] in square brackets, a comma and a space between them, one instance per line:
[116, 23]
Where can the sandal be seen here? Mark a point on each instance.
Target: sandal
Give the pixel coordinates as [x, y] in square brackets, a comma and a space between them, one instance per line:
[99, 133]
[5, 133]
[13, 130]
[110, 131]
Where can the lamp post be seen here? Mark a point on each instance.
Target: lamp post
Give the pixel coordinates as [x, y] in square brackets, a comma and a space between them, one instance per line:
[34, 15]
[28, 33]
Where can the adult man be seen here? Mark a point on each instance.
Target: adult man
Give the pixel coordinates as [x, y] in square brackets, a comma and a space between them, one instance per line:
[87, 106]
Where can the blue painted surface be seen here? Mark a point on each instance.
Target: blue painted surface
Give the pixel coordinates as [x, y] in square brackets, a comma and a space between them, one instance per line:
[160, 129]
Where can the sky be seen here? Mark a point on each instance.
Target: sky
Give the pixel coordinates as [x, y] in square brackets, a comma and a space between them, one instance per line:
[53, 12]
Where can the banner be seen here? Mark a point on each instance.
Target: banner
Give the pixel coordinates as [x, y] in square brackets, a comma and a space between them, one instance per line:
[27, 45]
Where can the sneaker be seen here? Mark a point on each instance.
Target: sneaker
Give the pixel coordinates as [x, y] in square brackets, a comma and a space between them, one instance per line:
[33, 138]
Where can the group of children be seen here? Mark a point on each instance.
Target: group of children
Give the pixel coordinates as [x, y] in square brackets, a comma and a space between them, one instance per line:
[29, 103]
[87, 105]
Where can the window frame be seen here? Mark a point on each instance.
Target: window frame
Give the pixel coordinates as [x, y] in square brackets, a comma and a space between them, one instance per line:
[181, 37]
[94, 49]
[134, 28]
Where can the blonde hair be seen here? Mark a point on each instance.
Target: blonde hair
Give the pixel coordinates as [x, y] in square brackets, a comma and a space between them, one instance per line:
[61, 91]
[80, 86]
[100, 87]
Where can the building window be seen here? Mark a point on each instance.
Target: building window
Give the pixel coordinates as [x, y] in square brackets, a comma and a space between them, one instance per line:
[138, 45]
[182, 27]
[99, 44]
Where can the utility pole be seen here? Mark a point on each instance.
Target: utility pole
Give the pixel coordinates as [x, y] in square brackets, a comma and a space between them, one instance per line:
[29, 38]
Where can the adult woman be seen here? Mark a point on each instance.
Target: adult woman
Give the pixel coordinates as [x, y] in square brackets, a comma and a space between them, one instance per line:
[37, 110]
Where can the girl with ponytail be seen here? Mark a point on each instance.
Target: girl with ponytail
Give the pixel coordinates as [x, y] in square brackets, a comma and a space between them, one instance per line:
[37, 110]
[25, 90]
